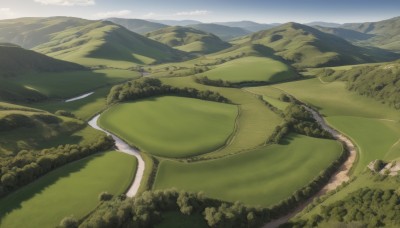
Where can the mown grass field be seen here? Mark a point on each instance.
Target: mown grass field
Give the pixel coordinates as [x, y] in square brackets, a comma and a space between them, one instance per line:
[373, 126]
[70, 190]
[255, 122]
[260, 177]
[70, 84]
[172, 126]
[251, 69]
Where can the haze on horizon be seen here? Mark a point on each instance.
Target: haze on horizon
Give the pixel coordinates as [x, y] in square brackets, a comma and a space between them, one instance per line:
[262, 11]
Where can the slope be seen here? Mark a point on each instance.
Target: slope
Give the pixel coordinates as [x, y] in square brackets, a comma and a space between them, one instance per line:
[308, 47]
[14, 59]
[226, 33]
[383, 34]
[137, 25]
[104, 43]
[189, 39]
[30, 32]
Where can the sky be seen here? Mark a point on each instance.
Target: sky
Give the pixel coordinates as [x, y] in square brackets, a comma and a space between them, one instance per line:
[262, 11]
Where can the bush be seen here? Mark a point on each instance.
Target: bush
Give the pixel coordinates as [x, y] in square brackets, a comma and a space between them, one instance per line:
[105, 196]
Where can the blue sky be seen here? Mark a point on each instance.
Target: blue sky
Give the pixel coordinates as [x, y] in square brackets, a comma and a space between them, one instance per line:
[266, 11]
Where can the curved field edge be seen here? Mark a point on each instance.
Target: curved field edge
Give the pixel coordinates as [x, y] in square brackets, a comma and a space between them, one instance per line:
[75, 186]
[374, 140]
[170, 126]
[260, 177]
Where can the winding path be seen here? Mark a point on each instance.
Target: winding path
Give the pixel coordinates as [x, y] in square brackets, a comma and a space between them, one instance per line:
[341, 176]
[125, 148]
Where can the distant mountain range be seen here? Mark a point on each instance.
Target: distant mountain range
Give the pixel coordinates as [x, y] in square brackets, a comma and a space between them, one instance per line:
[383, 34]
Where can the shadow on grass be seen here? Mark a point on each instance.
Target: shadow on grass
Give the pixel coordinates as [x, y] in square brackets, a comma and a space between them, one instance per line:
[15, 200]
[288, 139]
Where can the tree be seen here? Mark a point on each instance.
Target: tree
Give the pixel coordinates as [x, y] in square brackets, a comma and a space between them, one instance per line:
[105, 196]
[69, 222]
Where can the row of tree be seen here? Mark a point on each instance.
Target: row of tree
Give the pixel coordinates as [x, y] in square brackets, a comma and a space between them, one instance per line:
[147, 210]
[299, 120]
[148, 87]
[27, 166]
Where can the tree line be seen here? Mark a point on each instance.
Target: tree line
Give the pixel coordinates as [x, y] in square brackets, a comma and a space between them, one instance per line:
[147, 210]
[299, 120]
[29, 165]
[149, 87]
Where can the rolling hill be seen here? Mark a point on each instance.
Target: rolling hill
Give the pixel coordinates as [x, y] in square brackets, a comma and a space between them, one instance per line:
[176, 22]
[14, 59]
[30, 32]
[248, 25]
[226, 33]
[137, 25]
[189, 39]
[382, 34]
[305, 46]
[107, 43]
[91, 43]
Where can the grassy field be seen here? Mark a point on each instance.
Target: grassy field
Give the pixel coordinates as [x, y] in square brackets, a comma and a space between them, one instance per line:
[260, 177]
[374, 137]
[251, 69]
[373, 126]
[172, 126]
[70, 190]
[255, 123]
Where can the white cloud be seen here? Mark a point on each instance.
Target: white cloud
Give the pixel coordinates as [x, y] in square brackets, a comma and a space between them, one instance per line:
[67, 2]
[193, 13]
[120, 13]
[6, 13]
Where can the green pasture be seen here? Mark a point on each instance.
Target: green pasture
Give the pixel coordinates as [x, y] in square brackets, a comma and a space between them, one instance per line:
[260, 177]
[172, 126]
[251, 69]
[70, 190]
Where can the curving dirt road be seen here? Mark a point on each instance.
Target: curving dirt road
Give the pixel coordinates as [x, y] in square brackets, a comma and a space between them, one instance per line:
[125, 148]
[342, 175]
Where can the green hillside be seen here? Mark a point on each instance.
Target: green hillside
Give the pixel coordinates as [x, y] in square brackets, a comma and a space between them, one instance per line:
[189, 39]
[30, 32]
[91, 43]
[382, 34]
[14, 59]
[226, 33]
[104, 43]
[26, 128]
[137, 25]
[308, 47]
[379, 81]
